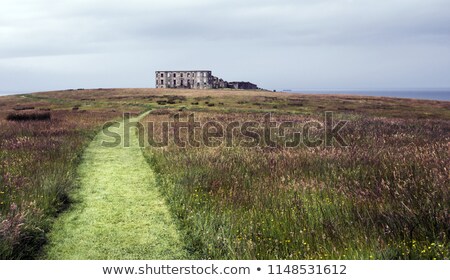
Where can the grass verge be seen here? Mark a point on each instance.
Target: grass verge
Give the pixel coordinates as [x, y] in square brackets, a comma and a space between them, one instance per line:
[118, 212]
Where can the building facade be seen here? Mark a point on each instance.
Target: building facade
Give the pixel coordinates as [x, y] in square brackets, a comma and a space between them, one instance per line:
[196, 79]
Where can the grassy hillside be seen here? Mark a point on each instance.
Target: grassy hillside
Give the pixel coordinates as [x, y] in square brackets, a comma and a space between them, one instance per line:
[38, 161]
[384, 196]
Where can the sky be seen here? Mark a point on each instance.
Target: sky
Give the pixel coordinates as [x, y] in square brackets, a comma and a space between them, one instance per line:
[277, 44]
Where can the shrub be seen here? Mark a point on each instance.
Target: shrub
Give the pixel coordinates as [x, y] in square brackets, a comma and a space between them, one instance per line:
[29, 117]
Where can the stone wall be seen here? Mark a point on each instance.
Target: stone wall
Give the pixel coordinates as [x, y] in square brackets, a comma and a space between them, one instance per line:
[184, 79]
[196, 79]
[242, 85]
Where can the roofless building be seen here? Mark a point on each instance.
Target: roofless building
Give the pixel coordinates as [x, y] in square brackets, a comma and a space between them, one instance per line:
[196, 79]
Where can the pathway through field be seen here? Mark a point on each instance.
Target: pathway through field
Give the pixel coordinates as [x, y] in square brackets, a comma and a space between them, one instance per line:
[118, 213]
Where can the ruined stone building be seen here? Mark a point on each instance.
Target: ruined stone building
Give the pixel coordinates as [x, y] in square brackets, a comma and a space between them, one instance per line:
[242, 85]
[196, 79]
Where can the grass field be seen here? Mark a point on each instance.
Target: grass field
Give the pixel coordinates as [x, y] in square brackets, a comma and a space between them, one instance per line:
[385, 196]
[38, 161]
[120, 213]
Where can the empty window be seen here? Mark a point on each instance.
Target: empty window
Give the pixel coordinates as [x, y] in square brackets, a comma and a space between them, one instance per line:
[162, 82]
[162, 75]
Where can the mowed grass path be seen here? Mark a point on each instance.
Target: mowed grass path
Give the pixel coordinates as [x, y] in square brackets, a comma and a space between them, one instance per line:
[118, 212]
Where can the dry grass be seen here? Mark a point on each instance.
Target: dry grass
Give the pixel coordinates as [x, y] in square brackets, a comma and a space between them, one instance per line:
[384, 197]
[38, 160]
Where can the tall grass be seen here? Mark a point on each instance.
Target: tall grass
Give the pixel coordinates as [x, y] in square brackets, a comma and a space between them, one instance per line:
[38, 159]
[386, 196]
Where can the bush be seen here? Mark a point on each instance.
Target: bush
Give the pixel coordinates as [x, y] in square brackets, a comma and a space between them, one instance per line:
[29, 117]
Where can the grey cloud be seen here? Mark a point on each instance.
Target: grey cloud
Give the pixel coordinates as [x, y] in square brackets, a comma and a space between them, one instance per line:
[240, 38]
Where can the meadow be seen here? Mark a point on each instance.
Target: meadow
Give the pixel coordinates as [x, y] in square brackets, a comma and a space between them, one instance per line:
[41, 144]
[384, 196]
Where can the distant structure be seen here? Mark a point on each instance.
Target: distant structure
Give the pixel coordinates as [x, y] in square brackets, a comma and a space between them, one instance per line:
[242, 85]
[196, 79]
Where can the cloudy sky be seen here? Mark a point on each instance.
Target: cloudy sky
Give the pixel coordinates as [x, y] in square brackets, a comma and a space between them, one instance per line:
[302, 44]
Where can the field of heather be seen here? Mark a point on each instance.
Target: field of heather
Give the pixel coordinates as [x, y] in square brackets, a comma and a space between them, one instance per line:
[385, 194]
[41, 143]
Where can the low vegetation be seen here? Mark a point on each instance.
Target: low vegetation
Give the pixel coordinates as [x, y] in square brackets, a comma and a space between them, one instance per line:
[29, 117]
[385, 196]
[38, 160]
[39, 154]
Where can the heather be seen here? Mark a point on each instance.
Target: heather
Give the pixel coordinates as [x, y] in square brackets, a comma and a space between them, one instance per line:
[385, 196]
[41, 144]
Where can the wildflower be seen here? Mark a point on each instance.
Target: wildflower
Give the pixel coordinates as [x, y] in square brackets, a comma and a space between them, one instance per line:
[13, 207]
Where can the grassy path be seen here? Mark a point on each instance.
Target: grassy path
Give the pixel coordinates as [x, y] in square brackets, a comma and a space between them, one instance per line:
[118, 213]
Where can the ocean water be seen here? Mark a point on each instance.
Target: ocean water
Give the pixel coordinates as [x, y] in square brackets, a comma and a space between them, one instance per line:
[429, 94]
[5, 93]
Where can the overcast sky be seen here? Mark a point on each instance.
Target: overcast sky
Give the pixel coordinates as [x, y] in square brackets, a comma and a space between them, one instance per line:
[302, 44]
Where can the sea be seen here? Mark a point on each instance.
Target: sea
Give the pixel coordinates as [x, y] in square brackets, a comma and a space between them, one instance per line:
[5, 93]
[428, 94]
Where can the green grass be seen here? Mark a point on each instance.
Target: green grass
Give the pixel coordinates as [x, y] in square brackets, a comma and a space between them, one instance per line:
[118, 213]
[386, 197]
[38, 161]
